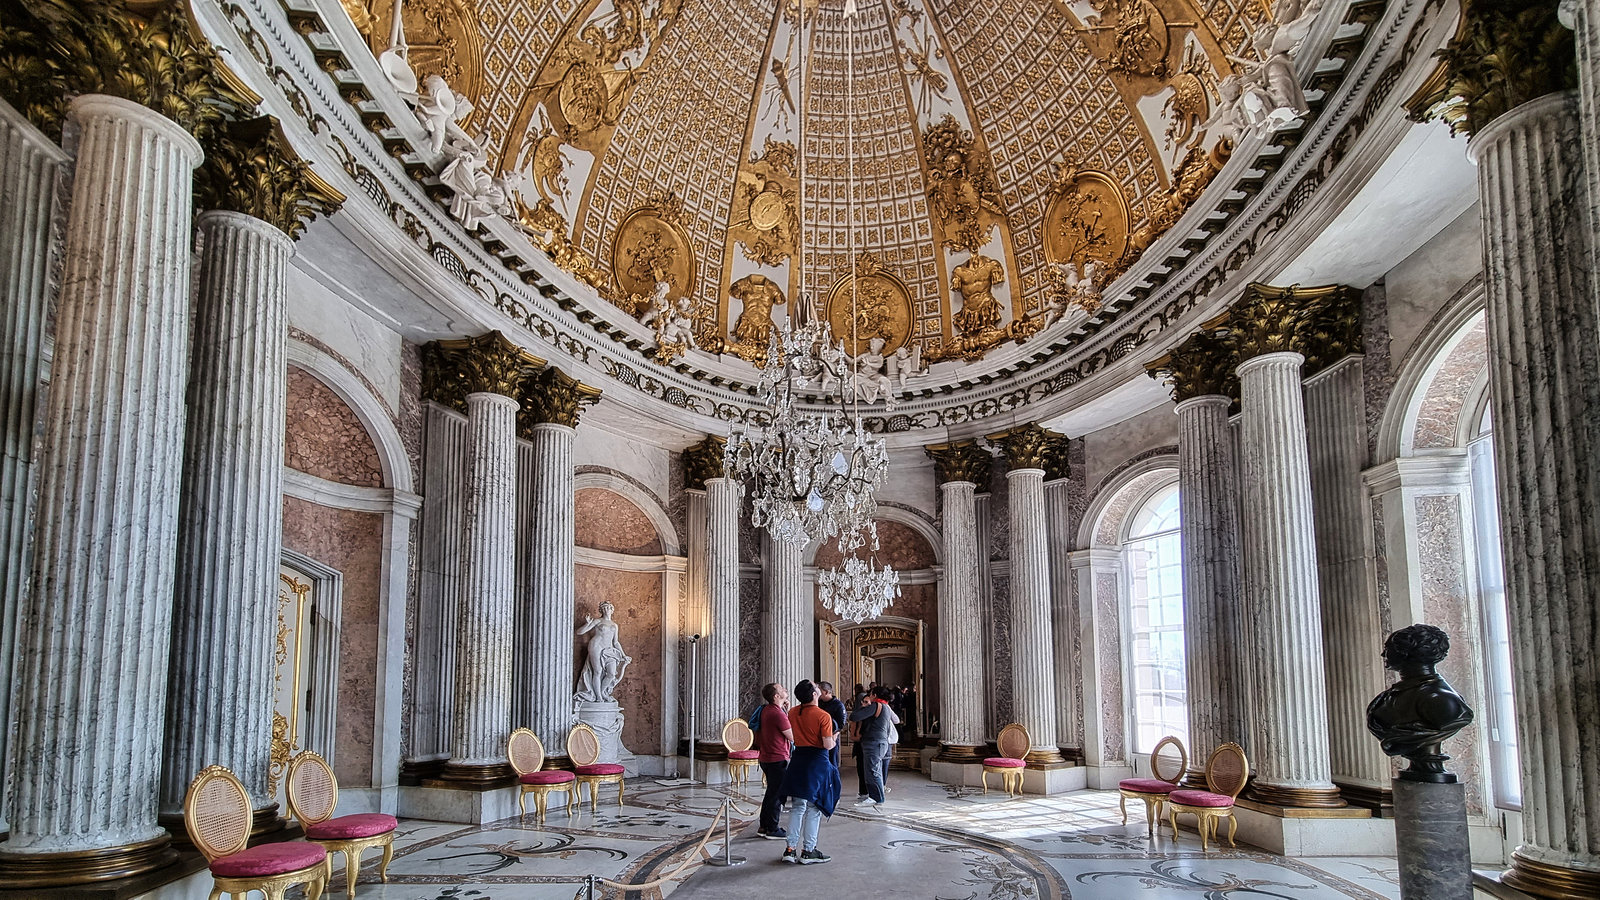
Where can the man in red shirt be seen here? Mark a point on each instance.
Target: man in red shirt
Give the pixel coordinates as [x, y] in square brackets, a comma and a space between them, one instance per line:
[773, 739]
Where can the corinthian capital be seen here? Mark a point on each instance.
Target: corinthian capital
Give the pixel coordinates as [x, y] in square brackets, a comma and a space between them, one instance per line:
[1200, 366]
[960, 461]
[555, 398]
[1027, 446]
[489, 363]
[703, 462]
[250, 168]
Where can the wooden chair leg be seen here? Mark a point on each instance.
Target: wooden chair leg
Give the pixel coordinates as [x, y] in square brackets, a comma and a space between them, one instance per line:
[522, 802]
[388, 854]
[1233, 826]
[1204, 821]
[352, 870]
[1173, 818]
[539, 801]
[619, 793]
[1122, 801]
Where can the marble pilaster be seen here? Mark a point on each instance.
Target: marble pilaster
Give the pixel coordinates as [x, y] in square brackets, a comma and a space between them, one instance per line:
[1063, 612]
[230, 528]
[444, 483]
[787, 637]
[1281, 593]
[86, 764]
[961, 680]
[30, 167]
[486, 618]
[1545, 390]
[1584, 20]
[1097, 575]
[720, 665]
[549, 612]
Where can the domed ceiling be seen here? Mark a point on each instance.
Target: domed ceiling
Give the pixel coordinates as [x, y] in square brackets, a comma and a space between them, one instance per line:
[992, 140]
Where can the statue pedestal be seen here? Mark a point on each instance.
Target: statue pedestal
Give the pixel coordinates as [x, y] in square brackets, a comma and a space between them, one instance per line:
[1431, 840]
[606, 720]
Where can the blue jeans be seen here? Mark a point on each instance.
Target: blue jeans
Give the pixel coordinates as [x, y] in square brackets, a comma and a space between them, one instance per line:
[875, 765]
[804, 820]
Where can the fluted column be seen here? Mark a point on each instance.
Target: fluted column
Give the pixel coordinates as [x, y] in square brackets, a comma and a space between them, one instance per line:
[1545, 386]
[30, 165]
[721, 663]
[93, 635]
[959, 468]
[1033, 664]
[787, 636]
[1281, 593]
[1584, 20]
[1063, 607]
[230, 531]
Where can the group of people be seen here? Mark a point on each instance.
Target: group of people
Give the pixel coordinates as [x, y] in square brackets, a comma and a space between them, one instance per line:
[798, 748]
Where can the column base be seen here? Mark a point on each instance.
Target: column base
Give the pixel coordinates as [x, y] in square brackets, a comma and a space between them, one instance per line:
[443, 801]
[264, 823]
[709, 751]
[1379, 800]
[1195, 779]
[1297, 798]
[1045, 759]
[1545, 880]
[960, 753]
[558, 761]
[1300, 831]
[415, 771]
[86, 866]
[491, 775]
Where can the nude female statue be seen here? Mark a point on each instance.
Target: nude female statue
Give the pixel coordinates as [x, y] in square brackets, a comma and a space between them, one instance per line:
[606, 662]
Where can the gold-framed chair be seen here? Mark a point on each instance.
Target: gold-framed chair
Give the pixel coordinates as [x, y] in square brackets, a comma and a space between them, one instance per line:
[1009, 765]
[1168, 761]
[583, 747]
[218, 816]
[738, 738]
[313, 794]
[1227, 770]
[526, 753]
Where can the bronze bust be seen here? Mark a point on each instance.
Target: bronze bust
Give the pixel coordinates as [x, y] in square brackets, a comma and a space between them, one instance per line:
[1421, 710]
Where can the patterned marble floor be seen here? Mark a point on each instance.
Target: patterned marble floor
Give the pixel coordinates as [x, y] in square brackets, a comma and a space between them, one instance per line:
[930, 840]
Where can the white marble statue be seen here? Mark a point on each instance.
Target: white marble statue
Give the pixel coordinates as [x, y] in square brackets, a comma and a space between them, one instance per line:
[869, 376]
[673, 323]
[907, 363]
[605, 663]
[477, 194]
[441, 110]
[1265, 94]
[1073, 295]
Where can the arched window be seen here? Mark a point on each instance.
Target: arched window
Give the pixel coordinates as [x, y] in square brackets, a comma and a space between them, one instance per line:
[1153, 557]
[1500, 718]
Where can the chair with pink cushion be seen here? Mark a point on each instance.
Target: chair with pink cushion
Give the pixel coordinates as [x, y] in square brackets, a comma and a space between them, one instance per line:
[1168, 762]
[313, 795]
[218, 816]
[526, 752]
[738, 738]
[1227, 770]
[583, 747]
[1009, 765]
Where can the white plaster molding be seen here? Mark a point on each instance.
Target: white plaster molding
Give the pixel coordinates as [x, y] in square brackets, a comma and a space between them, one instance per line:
[352, 497]
[1445, 471]
[385, 436]
[623, 562]
[1397, 427]
[1110, 490]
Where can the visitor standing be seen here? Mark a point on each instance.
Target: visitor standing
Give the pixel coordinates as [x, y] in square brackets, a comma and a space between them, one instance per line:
[833, 706]
[812, 780]
[773, 736]
[876, 721]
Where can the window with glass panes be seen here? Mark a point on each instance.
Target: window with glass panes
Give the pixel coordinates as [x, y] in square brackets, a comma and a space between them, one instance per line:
[1153, 556]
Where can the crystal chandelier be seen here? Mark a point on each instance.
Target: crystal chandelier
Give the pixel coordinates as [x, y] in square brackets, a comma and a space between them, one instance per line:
[857, 589]
[812, 474]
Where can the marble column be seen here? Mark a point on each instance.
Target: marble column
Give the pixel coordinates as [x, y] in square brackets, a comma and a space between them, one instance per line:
[230, 527]
[1545, 387]
[1584, 19]
[552, 404]
[787, 637]
[959, 468]
[1281, 594]
[30, 165]
[1033, 665]
[1063, 608]
[86, 763]
[444, 483]
[720, 651]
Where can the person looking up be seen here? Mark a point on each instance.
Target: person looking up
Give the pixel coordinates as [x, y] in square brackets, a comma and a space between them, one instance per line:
[812, 780]
[834, 707]
[876, 722]
[772, 743]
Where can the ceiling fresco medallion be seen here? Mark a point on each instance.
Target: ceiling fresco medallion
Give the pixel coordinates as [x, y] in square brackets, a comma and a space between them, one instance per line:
[764, 218]
[651, 246]
[882, 303]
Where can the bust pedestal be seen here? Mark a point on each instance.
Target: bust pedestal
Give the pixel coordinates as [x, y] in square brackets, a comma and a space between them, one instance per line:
[606, 720]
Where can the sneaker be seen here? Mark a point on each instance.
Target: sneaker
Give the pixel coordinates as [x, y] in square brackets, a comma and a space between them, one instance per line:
[814, 856]
[866, 801]
[776, 835]
[790, 855]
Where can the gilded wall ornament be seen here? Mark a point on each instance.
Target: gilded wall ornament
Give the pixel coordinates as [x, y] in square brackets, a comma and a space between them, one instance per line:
[250, 168]
[974, 346]
[548, 231]
[961, 461]
[1026, 446]
[1201, 366]
[753, 331]
[703, 462]
[442, 38]
[1086, 219]
[764, 219]
[1190, 102]
[488, 363]
[1331, 329]
[551, 396]
[961, 186]
[1140, 37]
[881, 303]
[1507, 53]
[651, 246]
[1055, 461]
[1194, 172]
[975, 279]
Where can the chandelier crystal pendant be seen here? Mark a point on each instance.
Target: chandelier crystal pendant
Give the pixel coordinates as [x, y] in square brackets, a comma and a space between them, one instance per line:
[858, 589]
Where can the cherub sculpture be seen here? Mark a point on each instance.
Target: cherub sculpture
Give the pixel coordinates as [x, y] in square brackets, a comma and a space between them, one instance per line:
[673, 323]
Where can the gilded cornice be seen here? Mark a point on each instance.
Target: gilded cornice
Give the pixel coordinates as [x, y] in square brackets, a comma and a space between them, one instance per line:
[960, 461]
[552, 397]
[1027, 446]
[488, 363]
[1506, 53]
[150, 53]
[1055, 456]
[1202, 365]
[703, 462]
[250, 168]
[1331, 329]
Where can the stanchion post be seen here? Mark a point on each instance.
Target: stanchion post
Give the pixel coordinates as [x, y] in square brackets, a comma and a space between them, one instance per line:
[728, 859]
[694, 692]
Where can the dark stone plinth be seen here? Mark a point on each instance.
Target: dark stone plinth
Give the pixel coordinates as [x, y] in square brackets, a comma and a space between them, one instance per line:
[1431, 840]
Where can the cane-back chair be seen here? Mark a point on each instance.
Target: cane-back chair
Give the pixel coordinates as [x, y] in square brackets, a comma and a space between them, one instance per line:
[1227, 770]
[738, 738]
[1168, 762]
[583, 746]
[218, 816]
[1010, 764]
[526, 753]
[313, 793]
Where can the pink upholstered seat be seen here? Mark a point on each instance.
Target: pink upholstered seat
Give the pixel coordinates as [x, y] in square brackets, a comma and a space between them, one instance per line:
[344, 828]
[1004, 762]
[600, 769]
[269, 859]
[1200, 798]
[744, 754]
[1147, 785]
[550, 776]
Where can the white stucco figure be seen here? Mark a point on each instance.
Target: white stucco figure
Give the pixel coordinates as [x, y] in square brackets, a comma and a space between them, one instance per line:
[906, 363]
[870, 376]
[605, 663]
[673, 323]
[477, 194]
[440, 110]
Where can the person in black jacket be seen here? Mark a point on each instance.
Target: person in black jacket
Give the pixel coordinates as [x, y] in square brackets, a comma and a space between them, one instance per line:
[833, 706]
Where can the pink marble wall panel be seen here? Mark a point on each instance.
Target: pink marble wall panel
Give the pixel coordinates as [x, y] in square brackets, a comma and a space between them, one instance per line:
[1439, 418]
[324, 438]
[637, 598]
[352, 543]
[609, 521]
[1446, 604]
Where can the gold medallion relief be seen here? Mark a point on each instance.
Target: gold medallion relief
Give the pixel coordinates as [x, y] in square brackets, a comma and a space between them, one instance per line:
[881, 303]
[764, 219]
[651, 246]
[1087, 218]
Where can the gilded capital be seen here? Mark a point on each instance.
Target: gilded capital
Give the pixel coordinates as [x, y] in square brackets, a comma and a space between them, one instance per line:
[1025, 446]
[703, 462]
[1200, 366]
[552, 397]
[960, 461]
[1331, 329]
[1506, 53]
[250, 168]
[1265, 320]
[1056, 447]
[488, 363]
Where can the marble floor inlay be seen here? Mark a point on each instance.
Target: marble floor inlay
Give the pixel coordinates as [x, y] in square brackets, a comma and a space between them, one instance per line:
[928, 841]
